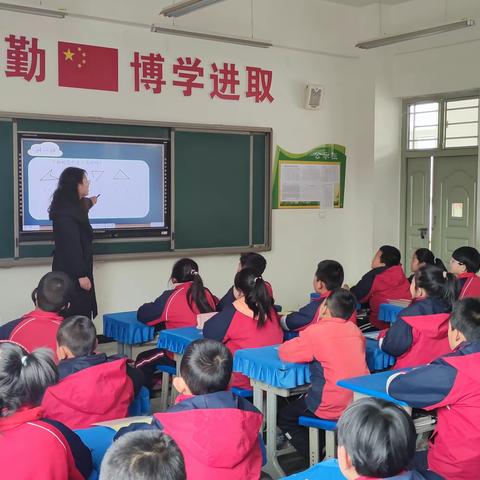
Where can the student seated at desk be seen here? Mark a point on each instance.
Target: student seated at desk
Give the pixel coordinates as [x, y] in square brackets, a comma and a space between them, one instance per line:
[420, 333]
[451, 386]
[422, 257]
[328, 277]
[249, 322]
[385, 281]
[252, 260]
[216, 431]
[33, 446]
[38, 328]
[376, 439]
[336, 349]
[175, 309]
[464, 264]
[92, 387]
[146, 454]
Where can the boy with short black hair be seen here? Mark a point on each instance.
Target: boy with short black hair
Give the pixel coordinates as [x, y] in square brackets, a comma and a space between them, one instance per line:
[251, 260]
[216, 431]
[328, 277]
[335, 348]
[38, 328]
[376, 439]
[92, 387]
[146, 454]
[385, 281]
[451, 386]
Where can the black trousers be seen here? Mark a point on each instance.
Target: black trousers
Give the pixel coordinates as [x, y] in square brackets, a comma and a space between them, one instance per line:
[295, 433]
[149, 360]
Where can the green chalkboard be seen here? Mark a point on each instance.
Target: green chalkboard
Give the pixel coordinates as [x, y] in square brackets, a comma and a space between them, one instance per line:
[220, 184]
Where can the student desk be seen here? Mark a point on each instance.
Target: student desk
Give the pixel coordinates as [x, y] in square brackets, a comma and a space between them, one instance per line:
[271, 375]
[377, 359]
[126, 330]
[327, 470]
[388, 312]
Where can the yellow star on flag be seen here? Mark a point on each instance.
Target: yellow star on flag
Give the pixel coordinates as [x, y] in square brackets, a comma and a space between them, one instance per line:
[69, 55]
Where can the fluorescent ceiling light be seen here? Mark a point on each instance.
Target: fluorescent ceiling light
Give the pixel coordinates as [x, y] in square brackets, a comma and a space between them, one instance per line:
[250, 42]
[32, 10]
[402, 37]
[187, 6]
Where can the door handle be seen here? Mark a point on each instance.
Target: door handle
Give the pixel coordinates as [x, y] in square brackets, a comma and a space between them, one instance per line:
[423, 232]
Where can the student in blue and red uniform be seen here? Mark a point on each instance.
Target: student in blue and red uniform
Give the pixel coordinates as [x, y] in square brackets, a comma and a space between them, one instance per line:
[252, 260]
[92, 387]
[32, 446]
[385, 281]
[376, 439]
[249, 322]
[216, 430]
[335, 348]
[451, 386]
[421, 332]
[38, 328]
[328, 277]
[422, 257]
[175, 308]
[465, 263]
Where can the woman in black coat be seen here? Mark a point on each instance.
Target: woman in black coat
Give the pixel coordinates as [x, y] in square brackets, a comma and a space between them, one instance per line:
[73, 237]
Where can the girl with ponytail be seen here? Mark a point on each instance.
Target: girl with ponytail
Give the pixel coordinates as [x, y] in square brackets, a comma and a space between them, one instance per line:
[175, 308]
[249, 322]
[421, 257]
[420, 333]
[32, 446]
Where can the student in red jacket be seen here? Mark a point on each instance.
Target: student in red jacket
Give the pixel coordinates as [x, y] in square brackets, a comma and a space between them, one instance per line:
[420, 334]
[376, 439]
[252, 260]
[451, 386]
[328, 277]
[216, 431]
[175, 308]
[38, 328]
[92, 388]
[33, 446]
[335, 348]
[465, 263]
[386, 281]
[146, 454]
[249, 322]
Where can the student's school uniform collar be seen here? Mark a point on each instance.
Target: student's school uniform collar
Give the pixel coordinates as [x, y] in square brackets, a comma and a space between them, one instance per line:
[467, 275]
[333, 320]
[21, 416]
[39, 313]
[179, 285]
[322, 296]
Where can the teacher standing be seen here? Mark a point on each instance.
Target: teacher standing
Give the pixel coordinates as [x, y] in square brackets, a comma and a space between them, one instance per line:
[73, 237]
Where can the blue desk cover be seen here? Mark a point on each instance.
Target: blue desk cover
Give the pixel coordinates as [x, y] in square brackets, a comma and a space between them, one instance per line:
[389, 313]
[264, 364]
[125, 328]
[327, 470]
[176, 340]
[377, 359]
[374, 385]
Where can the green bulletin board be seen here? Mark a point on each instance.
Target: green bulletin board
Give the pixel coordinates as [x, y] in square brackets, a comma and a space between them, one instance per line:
[314, 179]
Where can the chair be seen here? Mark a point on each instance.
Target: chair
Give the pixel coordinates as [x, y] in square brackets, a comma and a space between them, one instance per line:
[167, 372]
[141, 404]
[97, 439]
[315, 424]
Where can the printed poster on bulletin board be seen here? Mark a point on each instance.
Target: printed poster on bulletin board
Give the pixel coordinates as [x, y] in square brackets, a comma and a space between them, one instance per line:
[314, 179]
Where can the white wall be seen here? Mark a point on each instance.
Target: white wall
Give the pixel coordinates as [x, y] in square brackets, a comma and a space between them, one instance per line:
[300, 238]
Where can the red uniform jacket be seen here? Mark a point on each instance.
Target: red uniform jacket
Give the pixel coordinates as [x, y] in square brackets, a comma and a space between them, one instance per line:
[336, 350]
[37, 329]
[469, 284]
[95, 394]
[172, 308]
[420, 335]
[238, 330]
[34, 448]
[380, 285]
[451, 386]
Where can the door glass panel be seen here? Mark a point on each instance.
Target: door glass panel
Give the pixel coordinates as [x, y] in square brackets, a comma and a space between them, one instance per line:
[457, 210]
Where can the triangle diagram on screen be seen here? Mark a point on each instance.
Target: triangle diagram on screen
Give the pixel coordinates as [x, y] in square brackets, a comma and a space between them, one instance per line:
[96, 174]
[48, 176]
[121, 175]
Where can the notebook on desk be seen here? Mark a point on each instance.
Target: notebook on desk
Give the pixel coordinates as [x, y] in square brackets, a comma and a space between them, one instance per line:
[400, 302]
[118, 423]
[203, 317]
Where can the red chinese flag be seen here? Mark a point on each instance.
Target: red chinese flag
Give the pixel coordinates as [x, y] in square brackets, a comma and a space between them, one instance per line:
[87, 66]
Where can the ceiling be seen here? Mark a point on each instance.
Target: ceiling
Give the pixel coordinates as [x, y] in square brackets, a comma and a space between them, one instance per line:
[363, 3]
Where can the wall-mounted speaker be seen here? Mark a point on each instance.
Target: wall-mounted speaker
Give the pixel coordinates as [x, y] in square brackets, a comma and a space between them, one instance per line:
[313, 96]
